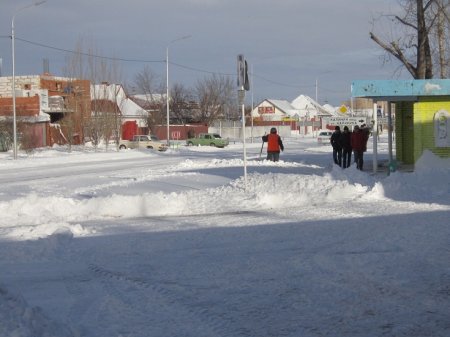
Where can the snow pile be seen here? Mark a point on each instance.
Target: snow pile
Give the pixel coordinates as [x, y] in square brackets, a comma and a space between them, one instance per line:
[272, 190]
[428, 183]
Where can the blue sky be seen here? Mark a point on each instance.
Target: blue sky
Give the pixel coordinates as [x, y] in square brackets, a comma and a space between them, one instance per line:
[290, 45]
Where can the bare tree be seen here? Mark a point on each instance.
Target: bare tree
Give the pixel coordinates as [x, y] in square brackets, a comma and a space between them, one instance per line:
[181, 104]
[149, 84]
[442, 28]
[149, 87]
[6, 135]
[412, 43]
[215, 94]
[100, 121]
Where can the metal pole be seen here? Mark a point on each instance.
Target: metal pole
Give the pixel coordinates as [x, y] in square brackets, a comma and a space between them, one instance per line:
[375, 138]
[167, 85]
[13, 88]
[251, 115]
[390, 128]
[317, 90]
[241, 94]
[167, 96]
[13, 85]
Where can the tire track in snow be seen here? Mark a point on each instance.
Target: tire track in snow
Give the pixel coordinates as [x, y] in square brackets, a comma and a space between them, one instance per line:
[200, 320]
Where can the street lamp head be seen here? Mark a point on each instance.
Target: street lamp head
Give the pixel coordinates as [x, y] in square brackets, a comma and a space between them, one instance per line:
[36, 3]
[181, 38]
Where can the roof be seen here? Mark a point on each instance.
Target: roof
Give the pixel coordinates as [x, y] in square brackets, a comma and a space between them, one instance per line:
[283, 105]
[306, 104]
[400, 90]
[115, 93]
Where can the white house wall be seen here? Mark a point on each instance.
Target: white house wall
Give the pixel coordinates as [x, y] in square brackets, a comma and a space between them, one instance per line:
[129, 110]
[276, 115]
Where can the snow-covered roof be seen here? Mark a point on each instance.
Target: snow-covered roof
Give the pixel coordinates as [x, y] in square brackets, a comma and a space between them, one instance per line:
[150, 97]
[329, 108]
[284, 106]
[307, 106]
[115, 93]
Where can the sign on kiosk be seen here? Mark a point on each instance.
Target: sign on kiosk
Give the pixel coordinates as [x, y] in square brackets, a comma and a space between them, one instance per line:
[346, 121]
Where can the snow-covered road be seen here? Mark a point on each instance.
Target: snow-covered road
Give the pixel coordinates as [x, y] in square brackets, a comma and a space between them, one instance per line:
[176, 245]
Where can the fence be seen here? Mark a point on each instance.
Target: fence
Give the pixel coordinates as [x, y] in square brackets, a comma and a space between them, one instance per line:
[233, 130]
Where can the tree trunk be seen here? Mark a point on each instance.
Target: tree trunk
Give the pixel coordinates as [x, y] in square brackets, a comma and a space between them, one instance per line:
[441, 39]
[403, 50]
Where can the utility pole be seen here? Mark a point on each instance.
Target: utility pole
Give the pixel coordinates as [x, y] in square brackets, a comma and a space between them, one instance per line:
[243, 85]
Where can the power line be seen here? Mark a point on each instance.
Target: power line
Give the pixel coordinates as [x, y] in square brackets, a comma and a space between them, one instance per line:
[200, 70]
[283, 84]
[121, 59]
[88, 54]
[296, 86]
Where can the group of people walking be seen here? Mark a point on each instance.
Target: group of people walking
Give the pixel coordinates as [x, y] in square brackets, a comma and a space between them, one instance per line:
[343, 143]
[346, 142]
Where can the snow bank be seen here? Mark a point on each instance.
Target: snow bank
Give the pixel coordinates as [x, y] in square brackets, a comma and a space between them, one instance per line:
[428, 183]
[263, 191]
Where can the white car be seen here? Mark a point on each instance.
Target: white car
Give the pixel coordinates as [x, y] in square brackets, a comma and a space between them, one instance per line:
[142, 142]
[324, 137]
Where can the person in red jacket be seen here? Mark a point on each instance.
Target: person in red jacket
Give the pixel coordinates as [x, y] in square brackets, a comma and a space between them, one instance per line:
[274, 145]
[359, 146]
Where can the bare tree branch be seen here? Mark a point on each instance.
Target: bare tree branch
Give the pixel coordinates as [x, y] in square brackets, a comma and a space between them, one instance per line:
[395, 51]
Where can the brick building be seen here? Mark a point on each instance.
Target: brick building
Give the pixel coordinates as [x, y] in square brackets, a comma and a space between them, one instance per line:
[49, 109]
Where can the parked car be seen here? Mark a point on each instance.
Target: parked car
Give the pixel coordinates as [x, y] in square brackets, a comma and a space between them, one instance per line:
[143, 141]
[208, 139]
[324, 137]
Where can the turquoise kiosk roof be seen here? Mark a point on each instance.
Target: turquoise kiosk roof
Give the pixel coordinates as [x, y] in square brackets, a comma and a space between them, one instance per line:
[400, 90]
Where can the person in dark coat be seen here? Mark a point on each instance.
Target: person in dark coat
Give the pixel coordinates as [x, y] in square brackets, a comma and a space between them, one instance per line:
[365, 130]
[335, 141]
[346, 147]
[359, 146]
[274, 145]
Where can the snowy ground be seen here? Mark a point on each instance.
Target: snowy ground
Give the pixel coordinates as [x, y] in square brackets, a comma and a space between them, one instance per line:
[138, 244]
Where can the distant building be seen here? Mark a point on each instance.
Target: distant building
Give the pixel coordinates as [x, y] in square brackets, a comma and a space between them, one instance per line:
[308, 108]
[41, 101]
[274, 110]
[307, 114]
[128, 109]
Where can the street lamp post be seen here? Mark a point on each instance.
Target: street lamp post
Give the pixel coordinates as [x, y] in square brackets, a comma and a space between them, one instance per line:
[167, 85]
[13, 85]
[317, 84]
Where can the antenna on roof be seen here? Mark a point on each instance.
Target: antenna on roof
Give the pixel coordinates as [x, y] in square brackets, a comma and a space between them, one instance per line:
[46, 66]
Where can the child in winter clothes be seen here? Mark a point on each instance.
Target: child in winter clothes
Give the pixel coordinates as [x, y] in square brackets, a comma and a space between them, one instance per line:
[274, 145]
